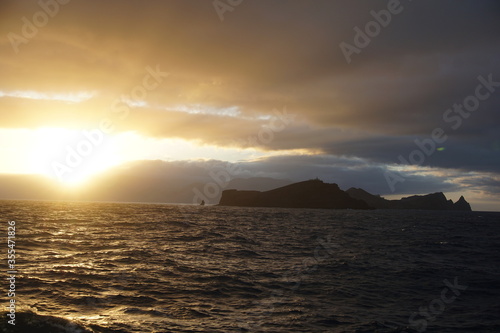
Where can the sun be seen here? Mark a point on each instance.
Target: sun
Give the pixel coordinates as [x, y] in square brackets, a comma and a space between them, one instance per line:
[72, 157]
[75, 180]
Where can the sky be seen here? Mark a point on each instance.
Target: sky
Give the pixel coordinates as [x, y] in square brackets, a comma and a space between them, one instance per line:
[397, 97]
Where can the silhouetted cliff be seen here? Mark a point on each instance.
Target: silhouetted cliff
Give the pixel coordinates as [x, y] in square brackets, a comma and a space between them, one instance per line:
[462, 204]
[374, 201]
[307, 194]
[434, 201]
[317, 194]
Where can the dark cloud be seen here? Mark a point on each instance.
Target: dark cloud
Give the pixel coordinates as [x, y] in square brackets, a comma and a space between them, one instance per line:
[266, 55]
[345, 171]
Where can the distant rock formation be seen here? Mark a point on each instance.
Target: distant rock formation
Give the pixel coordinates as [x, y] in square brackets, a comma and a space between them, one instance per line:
[434, 201]
[462, 204]
[317, 194]
[308, 194]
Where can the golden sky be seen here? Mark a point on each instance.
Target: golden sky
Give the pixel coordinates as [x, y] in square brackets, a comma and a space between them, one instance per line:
[171, 81]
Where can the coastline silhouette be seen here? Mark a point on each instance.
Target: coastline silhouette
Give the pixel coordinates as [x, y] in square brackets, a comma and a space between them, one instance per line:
[317, 194]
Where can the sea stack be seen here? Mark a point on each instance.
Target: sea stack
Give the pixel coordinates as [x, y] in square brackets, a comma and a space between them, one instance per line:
[462, 204]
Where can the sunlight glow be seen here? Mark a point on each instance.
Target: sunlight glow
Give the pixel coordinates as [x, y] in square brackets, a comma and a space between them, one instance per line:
[71, 157]
[74, 157]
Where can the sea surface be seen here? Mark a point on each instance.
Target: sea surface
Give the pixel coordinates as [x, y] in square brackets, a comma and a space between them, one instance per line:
[110, 267]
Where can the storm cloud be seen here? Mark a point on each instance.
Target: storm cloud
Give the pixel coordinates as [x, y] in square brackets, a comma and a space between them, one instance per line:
[223, 80]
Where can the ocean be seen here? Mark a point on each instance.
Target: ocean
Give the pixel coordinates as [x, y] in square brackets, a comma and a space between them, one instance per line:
[116, 267]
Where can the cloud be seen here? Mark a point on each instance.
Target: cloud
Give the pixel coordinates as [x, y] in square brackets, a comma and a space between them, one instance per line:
[176, 181]
[265, 55]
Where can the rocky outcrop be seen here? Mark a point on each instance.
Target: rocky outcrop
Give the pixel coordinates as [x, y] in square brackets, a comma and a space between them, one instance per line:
[307, 194]
[434, 201]
[461, 204]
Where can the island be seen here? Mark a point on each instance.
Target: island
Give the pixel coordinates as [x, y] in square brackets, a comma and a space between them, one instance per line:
[307, 194]
[318, 194]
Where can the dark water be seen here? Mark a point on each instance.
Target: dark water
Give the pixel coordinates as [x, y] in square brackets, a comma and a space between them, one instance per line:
[100, 267]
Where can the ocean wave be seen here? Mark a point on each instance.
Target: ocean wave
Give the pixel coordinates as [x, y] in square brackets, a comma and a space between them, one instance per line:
[147, 268]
